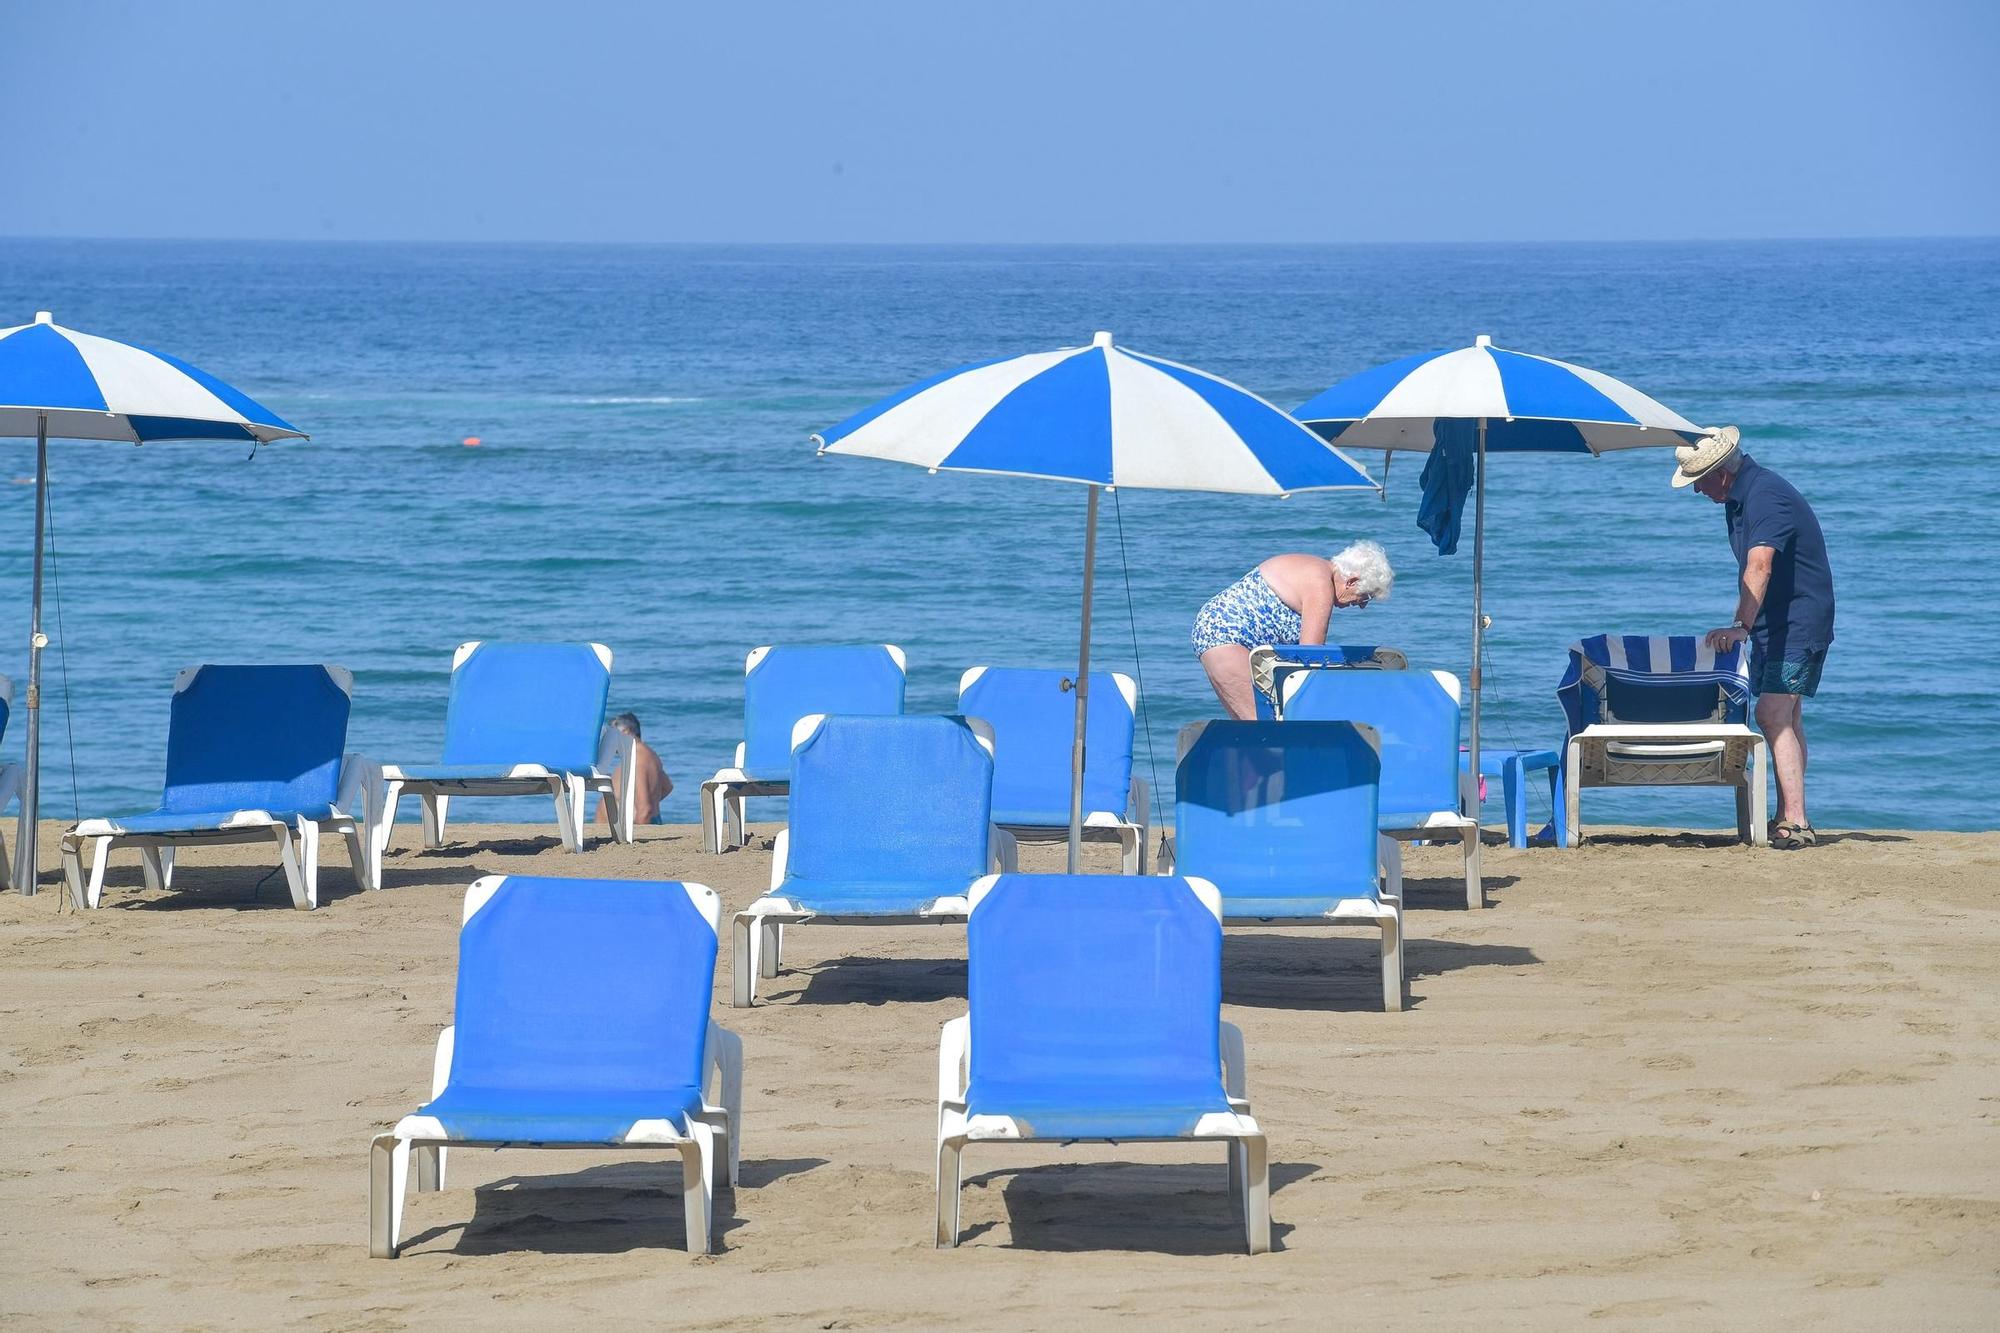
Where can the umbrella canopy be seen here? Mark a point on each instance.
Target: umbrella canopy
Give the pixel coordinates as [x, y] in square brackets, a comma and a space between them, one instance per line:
[1101, 415]
[78, 386]
[1532, 404]
[1518, 402]
[57, 381]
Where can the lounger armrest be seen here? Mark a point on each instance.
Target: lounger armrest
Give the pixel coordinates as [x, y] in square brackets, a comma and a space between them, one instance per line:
[781, 851]
[617, 755]
[441, 1065]
[954, 1054]
[360, 787]
[742, 753]
[1003, 853]
[1165, 865]
[1141, 803]
[1235, 1079]
[724, 1063]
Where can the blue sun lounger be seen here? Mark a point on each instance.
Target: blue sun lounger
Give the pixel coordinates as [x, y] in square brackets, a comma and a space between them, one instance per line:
[891, 824]
[1033, 716]
[1424, 788]
[582, 1021]
[1281, 818]
[254, 753]
[1095, 1013]
[11, 776]
[522, 719]
[782, 684]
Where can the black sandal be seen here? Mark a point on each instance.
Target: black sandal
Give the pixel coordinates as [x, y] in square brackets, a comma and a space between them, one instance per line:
[1788, 837]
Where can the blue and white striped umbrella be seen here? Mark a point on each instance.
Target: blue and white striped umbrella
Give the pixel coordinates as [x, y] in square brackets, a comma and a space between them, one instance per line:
[1531, 404]
[58, 382]
[1102, 415]
[1105, 416]
[78, 386]
[1518, 403]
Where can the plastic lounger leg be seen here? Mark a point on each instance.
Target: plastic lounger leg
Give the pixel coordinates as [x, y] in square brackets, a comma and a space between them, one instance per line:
[1392, 966]
[437, 809]
[166, 867]
[386, 1177]
[731, 1095]
[288, 856]
[948, 1164]
[696, 1203]
[100, 858]
[744, 936]
[1760, 754]
[711, 829]
[1256, 1195]
[72, 864]
[1475, 887]
[427, 1169]
[383, 827]
[1572, 793]
[1238, 1196]
[770, 948]
[149, 866]
[356, 834]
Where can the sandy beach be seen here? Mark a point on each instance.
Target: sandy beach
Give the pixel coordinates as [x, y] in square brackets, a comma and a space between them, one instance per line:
[1663, 1081]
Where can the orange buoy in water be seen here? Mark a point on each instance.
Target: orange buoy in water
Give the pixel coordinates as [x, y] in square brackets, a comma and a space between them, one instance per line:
[470, 441]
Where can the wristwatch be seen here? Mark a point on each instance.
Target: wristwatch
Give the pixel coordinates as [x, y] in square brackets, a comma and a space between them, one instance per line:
[1737, 624]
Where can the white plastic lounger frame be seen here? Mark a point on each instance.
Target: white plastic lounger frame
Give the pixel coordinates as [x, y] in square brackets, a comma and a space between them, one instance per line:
[723, 820]
[613, 776]
[758, 937]
[1129, 827]
[359, 781]
[1439, 825]
[709, 1153]
[10, 788]
[1249, 1172]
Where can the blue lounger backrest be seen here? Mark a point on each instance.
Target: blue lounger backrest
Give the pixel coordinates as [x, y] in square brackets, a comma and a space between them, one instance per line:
[1276, 808]
[1415, 718]
[1664, 701]
[583, 986]
[890, 800]
[1034, 725]
[782, 684]
[256, 738]
[527, 703]
[1100, 992]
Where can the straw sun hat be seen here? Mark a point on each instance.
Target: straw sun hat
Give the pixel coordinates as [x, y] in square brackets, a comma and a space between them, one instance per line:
[1694, 461]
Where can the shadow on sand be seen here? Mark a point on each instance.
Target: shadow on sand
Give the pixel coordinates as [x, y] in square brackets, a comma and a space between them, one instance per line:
[1178, 1208]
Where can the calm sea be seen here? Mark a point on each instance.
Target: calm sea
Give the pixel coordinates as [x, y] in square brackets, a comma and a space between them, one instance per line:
[644, 479]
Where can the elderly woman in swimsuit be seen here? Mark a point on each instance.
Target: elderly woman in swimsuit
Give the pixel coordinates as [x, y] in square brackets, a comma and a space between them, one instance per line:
[1286, 600]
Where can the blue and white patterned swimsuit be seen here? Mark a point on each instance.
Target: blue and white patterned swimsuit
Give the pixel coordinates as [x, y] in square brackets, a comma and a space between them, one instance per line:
[1249, 611]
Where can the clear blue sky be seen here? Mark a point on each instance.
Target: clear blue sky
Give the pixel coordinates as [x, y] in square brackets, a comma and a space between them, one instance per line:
[1014, 120]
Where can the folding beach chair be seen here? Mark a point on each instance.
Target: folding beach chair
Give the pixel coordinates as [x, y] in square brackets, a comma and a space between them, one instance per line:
[522, 719]
[891, 824]
[1271, 666]
[1661, 711]
[1095, 1013]
[1424, 790]
[1281, 818]
[253, 753]
[1033, 716]
[782, 684]
[582, 1021]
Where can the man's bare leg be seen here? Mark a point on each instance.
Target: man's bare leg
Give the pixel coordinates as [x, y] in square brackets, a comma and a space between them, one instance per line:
[1228, 668]
[1781, 717]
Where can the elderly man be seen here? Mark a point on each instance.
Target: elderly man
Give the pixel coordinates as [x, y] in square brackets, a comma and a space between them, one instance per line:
[1784, 604]
[1286, 600]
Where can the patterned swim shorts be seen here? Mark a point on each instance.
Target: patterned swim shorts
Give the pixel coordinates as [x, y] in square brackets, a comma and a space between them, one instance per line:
[1794, 675]
[1249, 612]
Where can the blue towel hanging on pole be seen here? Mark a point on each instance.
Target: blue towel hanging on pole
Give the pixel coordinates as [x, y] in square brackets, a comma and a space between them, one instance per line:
[1447, 477]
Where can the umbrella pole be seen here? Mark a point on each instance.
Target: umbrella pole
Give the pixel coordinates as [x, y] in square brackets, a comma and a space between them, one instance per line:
[1082, 692]
[1478, 614]
[25, 869]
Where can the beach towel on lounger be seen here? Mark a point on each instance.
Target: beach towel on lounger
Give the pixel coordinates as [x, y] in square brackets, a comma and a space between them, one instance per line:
[1677, 673]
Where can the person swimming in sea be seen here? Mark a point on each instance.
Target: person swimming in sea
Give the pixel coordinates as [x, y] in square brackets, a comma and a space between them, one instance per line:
[1286, 600]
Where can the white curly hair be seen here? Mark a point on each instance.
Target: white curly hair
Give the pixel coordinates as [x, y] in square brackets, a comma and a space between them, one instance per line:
[1367, 564]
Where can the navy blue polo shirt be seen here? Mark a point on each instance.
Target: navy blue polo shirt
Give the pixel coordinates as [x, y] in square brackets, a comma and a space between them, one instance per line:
[1764, 509]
